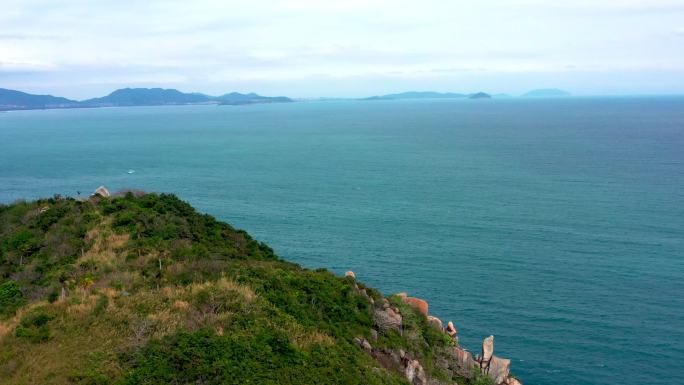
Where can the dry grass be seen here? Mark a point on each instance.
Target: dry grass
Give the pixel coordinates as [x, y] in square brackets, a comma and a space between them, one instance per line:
[304, 339]
[71, 349]
[7, 326]
[86, 342]
[106, 245]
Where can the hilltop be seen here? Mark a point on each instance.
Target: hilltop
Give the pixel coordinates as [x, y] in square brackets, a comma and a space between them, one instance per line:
[142, 289]
[146, 97]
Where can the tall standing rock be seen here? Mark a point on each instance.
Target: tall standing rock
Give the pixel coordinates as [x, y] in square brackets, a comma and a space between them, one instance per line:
[487, 349]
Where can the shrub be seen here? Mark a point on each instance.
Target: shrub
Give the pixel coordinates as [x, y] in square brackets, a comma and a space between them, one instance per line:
[11, 298]
[34, 326]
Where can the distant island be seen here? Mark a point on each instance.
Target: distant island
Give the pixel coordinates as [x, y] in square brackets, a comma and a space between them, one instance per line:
[546, 93]
[418, 95]
[480, 95]
[128, 97]
[429, 95]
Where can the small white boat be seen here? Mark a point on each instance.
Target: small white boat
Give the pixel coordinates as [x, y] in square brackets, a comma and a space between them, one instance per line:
[131, 171]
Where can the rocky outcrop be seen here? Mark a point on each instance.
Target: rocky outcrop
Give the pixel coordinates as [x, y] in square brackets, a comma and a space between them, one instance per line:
[364, 344]
[459, 362]
[101, 191]
[398, 361]
[498, 369]
[387, 319]
[350, 274]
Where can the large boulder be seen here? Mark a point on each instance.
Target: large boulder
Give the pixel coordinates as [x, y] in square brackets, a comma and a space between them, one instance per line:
[387, 319]
[451, 330]
[364, 344]
[415, 373]
[418, 303]
[435, 321]
[101, 191]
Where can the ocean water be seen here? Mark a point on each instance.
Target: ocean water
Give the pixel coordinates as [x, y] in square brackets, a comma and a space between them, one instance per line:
[556, 225]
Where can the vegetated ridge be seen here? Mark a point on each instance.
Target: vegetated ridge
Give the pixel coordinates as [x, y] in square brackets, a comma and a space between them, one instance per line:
[142, 289]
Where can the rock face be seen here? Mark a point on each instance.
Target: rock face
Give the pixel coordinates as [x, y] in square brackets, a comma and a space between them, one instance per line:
[350, 274]
[418, 303]
[499, 368]
[464, 359]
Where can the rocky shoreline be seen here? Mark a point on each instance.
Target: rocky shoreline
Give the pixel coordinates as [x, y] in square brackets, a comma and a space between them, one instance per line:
[459, 361]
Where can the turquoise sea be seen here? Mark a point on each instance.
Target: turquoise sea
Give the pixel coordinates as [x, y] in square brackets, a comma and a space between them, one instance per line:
[556, 225]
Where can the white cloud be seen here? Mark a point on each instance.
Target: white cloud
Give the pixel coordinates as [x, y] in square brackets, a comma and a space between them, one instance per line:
[231, 42]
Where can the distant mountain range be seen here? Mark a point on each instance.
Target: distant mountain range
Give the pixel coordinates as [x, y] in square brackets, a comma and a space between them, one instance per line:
[539, 93]
[418, 95]
[17, 100]
[546, 93]
[429, 95]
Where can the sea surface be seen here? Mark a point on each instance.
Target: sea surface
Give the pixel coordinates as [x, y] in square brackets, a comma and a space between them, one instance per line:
[556, 225]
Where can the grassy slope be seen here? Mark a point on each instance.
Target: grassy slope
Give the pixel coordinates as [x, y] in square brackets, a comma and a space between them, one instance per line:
[145, 290]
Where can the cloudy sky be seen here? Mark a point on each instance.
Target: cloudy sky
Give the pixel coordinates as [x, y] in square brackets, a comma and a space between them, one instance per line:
[308, 48]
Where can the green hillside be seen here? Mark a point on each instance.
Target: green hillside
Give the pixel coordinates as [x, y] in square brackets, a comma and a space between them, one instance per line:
[142, 289]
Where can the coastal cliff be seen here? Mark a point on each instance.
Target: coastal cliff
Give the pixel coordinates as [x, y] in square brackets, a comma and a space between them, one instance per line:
[140, 288]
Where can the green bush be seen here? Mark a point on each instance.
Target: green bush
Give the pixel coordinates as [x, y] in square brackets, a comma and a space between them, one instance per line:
[11, 298]
[34, 326]
[257, 356]
[479, 378]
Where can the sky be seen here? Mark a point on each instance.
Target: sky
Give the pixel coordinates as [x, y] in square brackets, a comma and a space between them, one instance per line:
[350, 48]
